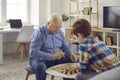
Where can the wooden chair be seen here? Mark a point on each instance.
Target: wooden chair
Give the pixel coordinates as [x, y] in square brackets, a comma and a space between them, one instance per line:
[30, 72]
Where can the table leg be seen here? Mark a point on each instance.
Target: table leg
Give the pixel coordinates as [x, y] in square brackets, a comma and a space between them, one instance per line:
[52, 77]
[1, 49]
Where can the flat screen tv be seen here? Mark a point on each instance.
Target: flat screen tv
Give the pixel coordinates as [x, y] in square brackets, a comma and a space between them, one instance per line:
[111, 17]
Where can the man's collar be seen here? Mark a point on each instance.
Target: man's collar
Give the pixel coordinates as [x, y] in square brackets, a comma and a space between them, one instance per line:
[47, 30]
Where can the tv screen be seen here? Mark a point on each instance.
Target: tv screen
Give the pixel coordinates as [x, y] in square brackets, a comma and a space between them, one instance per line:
[111, 17]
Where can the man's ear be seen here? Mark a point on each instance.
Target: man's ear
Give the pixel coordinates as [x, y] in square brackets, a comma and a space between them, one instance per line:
[48, 23]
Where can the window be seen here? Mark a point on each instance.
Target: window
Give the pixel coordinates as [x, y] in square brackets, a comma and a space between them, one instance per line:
[14, 9]
[0, 10]
[17, 9]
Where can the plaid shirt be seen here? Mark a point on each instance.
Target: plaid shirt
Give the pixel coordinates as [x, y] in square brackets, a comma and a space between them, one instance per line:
[94, 55]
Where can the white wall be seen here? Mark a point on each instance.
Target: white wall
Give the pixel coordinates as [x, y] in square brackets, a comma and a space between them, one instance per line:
[41, 9]
[38, 12]
[106, 3]
[34, 12]
[56, 6]
[65, 7]
[111, 2]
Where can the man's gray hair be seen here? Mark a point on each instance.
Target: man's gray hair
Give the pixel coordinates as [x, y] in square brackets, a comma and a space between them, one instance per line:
[54, 16]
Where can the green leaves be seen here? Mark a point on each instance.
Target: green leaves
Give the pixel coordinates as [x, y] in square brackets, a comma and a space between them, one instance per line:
[64, 17]
[7, 21]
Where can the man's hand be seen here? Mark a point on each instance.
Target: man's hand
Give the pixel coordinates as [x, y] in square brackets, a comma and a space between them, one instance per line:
[58, 55]
[73, 57]
[73, 68]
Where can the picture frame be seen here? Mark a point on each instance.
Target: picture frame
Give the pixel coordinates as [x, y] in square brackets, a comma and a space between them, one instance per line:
[87, 10]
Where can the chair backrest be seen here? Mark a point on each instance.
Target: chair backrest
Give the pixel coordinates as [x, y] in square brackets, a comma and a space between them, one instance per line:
[15, 23]
[25, 34]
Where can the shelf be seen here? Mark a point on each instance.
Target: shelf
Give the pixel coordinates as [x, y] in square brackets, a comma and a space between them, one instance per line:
[73, 2]
[79, 15]
[104, 30]
[73, 13]
[112, 46]
[93, 13]
[76, 14]
[118, 47]
[86, 1]
[109, 37]
[84, 9]
[80, 1]
[83, 1]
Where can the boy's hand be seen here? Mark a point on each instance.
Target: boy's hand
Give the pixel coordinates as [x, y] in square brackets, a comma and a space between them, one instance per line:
[73, 57]
[73, 68]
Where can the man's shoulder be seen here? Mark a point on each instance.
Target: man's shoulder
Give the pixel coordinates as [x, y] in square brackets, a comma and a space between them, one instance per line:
[41, 29]
[40, 33]
[61, 33]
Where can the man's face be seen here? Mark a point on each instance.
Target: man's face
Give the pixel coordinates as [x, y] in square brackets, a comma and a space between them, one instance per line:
[55, 26]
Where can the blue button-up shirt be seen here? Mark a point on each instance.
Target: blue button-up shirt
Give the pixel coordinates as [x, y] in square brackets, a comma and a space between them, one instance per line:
[44, 44]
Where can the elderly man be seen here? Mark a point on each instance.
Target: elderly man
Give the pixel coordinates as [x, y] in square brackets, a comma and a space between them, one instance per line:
[47, 47]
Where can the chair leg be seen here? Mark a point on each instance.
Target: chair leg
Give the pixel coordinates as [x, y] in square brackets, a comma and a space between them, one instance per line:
[52, 77]
[25, 48]
[17, 50]
[21, 51]
[27, 75]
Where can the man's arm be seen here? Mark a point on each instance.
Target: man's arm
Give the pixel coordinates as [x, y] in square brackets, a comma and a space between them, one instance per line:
[36, 45]
[66, 49]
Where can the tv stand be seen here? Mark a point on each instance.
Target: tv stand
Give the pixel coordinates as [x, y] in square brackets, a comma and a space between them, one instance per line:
[116, 30]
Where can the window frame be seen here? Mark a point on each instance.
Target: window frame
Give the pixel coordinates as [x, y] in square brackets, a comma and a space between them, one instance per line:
[4, 12]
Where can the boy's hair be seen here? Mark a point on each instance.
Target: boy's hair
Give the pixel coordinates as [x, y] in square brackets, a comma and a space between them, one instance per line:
[81, 26]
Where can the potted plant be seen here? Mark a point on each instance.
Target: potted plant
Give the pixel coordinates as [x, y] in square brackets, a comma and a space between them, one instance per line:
[65, 18]
[7, 22]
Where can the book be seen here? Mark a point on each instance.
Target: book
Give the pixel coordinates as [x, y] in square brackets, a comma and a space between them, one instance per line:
[96, 37]
[73, 0]
[109, 41]
[87, 10]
